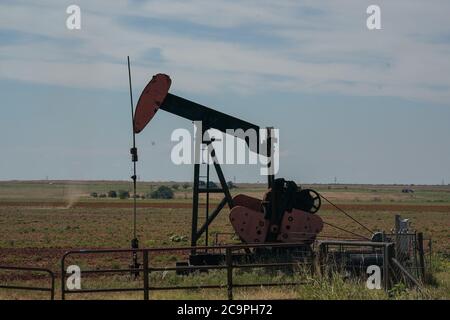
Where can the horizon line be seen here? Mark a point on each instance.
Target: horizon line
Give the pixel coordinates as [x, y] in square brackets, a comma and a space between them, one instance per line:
[243, 182]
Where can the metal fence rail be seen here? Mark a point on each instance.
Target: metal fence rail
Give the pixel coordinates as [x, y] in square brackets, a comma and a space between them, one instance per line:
[146, 269]
[50, 289]
[390, 264]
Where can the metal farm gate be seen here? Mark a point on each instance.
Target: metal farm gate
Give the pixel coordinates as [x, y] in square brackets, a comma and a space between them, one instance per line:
[403, 259]
[228, 258]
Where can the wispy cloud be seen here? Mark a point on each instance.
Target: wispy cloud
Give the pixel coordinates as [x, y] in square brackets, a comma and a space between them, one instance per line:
[208, 46]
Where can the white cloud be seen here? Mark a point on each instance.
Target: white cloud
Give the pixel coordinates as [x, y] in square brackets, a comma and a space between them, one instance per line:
[321, 47]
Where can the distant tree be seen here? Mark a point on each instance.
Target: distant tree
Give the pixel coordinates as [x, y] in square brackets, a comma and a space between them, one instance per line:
[112, 194]
[175, 186]
[163, 192]
[94, 194]
[212, 185]
[123, 194]
[202, 183]
[102, 195]
[186, 185]
[231, 185]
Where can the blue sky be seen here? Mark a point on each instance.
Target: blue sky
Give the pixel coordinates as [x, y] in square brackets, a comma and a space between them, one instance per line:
[363, 106]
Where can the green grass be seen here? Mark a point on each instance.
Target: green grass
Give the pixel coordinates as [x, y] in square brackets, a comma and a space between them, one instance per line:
[311, 287]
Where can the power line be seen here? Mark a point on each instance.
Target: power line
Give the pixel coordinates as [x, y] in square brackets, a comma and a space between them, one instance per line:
[345, 230]
[348, 215]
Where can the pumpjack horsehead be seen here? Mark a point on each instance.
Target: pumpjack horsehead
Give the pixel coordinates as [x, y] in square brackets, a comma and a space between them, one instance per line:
[286, 213]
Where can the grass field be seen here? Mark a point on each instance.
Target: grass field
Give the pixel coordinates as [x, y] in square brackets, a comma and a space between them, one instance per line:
[40, 220]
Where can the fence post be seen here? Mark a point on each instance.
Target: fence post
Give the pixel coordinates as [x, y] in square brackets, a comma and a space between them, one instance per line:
[229, 273]
[387, 255]
[397, 238]
[52, 292]
[145, 264]
[63, 278]
[421, 255]
[321, 259]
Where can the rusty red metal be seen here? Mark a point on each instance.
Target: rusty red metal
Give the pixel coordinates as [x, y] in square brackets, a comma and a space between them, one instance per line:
[298, 225]
[247, 219]
[249, 224]
[247, 201]
[150, 100]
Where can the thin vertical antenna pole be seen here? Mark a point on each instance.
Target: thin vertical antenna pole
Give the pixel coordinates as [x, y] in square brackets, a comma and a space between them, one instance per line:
[134, 148]
[207, 196]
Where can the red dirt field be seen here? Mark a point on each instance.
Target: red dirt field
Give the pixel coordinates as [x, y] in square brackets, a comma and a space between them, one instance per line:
[182, 205]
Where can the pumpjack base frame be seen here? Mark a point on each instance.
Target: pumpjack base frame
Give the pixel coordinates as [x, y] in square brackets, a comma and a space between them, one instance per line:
[259, 256]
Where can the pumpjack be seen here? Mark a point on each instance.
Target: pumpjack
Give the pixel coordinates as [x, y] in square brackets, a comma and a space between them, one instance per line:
[287, 213]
